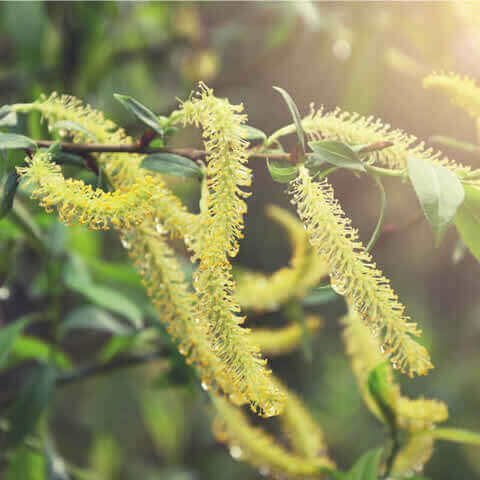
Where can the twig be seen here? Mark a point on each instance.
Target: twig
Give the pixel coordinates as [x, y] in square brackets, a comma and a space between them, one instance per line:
[7, 397]
[192, 153]
[105, 368]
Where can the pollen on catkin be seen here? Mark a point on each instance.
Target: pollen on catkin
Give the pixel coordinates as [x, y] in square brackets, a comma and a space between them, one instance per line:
[354, 275]
[77, 202]
[221, 225]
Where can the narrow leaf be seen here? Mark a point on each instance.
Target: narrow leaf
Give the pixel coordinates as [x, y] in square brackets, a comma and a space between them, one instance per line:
[254, 133]
[172, 164]
[320, 296]
[26, 463]
[295, 115]
[143, 113]
[439, 191]
[107, 298]
[31, 403]
[8, 118]
[93, 318]
[456, 435]
[379, 388]
[367, 466]
[467, 220]
[281, 171]
[8, 335]
[9, 191]
[13, 141]
[26, 347]
[336, 153]
[76, 127]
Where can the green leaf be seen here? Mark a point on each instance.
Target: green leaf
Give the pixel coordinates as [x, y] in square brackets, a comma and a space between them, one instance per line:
[336, 153]
[144, 114]
[8, 118]
[295, 115]
[281, 171]
[107, 298]
[439, 191]
[467, 220]
[254, 133]
[31, 403]
[379, 388]
[456, 435]
[9, 191]
[8, 335]
[172, 164]
[92, 318]
[25, 463]
[74, 126]
[26, 347]
[366, 467]
[320, 296]
[13, 141]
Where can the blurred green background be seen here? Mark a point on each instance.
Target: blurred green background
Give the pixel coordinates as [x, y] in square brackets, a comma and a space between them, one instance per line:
[364, 57]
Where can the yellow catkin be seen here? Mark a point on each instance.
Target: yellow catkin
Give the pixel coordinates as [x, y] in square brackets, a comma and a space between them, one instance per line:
[255, 446]
[365, 353]
[353, 274]
[261, 292]
[304, 434]
[123, 169]
[221, 226]
[279, 341]
[462, 91]
[355, 129]
[414, 455]
[77, 202]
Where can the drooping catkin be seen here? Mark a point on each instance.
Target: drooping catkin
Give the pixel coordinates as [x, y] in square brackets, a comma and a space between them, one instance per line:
[354, 275]
[77, 202]
[268, 292]
[254, 445]
[462, 91]
[365, 355]
[221, 225]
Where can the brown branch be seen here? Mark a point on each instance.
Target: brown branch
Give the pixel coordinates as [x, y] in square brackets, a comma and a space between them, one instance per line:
[8, 396]
[192, 153]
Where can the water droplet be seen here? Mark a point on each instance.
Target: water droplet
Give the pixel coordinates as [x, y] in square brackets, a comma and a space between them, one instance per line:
[236, 452]
[264, 471]
[4, 293]
[125, 243]
[206, 387]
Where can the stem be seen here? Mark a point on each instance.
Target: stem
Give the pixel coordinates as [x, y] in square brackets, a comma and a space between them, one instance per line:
[105, 368]
[383, 205]
[7, 397]
[386, 172]
[393, 453]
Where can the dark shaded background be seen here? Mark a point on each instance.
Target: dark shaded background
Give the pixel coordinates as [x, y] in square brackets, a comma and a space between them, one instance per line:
[365, 57]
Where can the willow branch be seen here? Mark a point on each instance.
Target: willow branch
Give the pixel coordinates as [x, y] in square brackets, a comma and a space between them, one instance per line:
[192, 153]
[84, 373]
